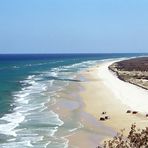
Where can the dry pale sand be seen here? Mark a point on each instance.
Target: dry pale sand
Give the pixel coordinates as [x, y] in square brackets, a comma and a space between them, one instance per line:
[99, 98]
[86, 101]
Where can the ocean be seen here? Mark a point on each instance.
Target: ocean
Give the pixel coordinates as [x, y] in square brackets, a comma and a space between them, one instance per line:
[29, 86]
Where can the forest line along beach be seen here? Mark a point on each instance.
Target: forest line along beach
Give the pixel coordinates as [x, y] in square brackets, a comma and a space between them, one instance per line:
[105, 93]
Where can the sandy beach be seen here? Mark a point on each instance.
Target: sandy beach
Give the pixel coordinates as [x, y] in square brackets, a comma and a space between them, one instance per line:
[99, 90]
[89, 132]
[104, 92]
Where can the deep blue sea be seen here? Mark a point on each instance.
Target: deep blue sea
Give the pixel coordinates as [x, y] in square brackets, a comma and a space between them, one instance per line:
[28, 84]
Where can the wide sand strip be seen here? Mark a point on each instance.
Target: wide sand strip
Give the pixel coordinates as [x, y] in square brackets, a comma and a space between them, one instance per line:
[104, 92]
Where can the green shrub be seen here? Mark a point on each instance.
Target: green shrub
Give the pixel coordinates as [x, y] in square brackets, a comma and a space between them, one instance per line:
[136, 139]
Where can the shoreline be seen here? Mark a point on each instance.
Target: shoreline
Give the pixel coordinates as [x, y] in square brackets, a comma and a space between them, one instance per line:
[99, 96]
[83, 103]
[89, 129]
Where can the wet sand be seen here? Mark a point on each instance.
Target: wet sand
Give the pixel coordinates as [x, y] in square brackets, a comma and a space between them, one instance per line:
[80, 127]
[82, 103]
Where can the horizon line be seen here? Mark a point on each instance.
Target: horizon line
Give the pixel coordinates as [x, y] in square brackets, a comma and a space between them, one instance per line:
[82, 53]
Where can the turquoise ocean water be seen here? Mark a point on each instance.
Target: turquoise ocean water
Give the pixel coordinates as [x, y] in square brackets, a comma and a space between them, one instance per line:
[28, 83]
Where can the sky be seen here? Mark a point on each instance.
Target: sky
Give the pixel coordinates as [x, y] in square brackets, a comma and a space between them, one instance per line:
[73, 26]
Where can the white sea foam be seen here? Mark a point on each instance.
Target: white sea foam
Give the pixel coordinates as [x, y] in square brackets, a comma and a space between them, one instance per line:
[13, 120]
[56, 118]
[30, 109]
[17, 144]
[79, 66]
[130, 95]
[54, 72]
[31, 121]
[47, 144]
[79, 127]
[30, 76]
[16, 67]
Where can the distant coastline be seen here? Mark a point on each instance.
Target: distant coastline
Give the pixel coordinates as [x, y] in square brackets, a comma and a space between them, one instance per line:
[134, 71]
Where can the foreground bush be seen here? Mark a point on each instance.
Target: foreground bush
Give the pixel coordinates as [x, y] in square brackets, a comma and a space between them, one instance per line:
[135, 139]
